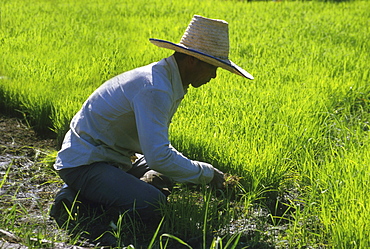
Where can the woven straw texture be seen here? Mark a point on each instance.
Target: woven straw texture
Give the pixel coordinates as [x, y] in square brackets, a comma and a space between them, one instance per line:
[208, 40]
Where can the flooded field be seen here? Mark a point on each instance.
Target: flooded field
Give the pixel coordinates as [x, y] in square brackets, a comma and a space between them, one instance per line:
[29, 184]
[26, 188]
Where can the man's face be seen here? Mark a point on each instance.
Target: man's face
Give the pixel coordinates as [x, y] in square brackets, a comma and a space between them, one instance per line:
[202, 73]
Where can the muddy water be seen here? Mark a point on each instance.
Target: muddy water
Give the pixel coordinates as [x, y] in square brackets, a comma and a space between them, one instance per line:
[30, 186]
[26, 185]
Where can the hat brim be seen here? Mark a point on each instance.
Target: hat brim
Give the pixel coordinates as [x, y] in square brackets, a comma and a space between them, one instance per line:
[225, 64]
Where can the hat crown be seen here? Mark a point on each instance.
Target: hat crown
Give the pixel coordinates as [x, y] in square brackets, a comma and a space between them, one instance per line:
[209, 36]
[207, 40]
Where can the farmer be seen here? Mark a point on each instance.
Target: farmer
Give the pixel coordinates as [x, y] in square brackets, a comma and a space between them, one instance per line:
[117, 151]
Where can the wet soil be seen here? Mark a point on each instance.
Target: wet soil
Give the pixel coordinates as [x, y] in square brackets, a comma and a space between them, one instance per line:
[15, 133]
[28, 185]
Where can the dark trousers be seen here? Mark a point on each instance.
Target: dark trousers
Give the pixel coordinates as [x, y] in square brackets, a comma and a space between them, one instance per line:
[112, 187]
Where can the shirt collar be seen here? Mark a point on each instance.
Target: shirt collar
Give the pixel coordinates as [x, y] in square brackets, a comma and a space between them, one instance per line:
[177, 86]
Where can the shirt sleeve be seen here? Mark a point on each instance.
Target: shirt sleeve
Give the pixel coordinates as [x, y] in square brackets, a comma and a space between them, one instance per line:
[152, 109]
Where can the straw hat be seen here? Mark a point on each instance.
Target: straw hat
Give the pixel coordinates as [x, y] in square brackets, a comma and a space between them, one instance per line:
[208, 40]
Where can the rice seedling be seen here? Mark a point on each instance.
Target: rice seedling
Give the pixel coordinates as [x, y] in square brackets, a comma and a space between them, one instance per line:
[296, 136]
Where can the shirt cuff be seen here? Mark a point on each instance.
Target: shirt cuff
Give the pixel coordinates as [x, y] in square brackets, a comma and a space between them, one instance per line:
[207, 172]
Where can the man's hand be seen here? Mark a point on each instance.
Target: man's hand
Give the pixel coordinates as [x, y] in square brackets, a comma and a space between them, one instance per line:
[218, 179]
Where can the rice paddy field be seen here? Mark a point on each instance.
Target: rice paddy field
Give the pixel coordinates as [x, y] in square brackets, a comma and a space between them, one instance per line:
[295, 140]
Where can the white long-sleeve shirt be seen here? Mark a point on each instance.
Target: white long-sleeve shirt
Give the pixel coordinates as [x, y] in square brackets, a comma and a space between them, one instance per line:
[128, 114]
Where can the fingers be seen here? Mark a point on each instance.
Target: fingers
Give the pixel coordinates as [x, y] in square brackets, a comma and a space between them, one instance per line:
[218, 179]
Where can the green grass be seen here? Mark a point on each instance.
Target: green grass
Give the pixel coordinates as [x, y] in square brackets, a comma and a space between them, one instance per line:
[300, 127]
